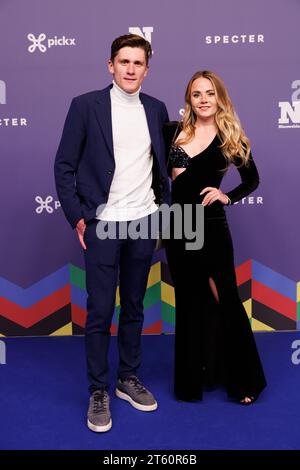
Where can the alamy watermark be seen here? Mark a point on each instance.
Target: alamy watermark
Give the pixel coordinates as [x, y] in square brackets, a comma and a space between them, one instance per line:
[295, 358]
[177, 222]
[2, 353]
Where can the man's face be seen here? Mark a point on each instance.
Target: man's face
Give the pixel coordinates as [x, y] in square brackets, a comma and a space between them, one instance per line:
[129, 68]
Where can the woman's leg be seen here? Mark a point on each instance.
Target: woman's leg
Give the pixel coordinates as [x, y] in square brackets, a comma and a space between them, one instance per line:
[243, 369]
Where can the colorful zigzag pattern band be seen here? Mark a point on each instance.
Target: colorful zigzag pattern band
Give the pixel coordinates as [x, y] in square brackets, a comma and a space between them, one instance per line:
[56, 304]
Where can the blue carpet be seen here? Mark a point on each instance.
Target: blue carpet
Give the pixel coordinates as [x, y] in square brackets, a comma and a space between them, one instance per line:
[43, 400]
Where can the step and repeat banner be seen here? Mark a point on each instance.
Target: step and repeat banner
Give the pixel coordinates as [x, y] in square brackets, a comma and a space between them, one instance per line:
[53, 50]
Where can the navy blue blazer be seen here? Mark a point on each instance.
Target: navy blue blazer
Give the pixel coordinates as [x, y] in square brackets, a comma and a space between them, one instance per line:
[85, 164]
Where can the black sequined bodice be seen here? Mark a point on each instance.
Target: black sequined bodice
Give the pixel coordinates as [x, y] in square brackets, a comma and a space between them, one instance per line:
[178, 157]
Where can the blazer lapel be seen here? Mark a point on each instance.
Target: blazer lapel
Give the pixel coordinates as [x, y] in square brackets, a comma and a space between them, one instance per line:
[152, 122]
[103, 115]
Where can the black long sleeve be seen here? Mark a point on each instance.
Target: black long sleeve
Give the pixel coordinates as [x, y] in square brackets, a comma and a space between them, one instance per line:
[250, 180]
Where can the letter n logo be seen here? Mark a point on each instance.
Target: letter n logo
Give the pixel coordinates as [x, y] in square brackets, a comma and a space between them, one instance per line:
[289, 112]
[145, 33]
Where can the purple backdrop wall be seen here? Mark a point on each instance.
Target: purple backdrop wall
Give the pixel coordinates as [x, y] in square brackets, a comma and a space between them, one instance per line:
[254, 50]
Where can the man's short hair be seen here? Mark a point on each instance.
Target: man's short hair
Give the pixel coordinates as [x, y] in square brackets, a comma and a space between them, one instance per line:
[131, 40]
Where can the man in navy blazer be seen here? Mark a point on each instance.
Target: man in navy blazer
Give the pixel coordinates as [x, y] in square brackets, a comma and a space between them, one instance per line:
[110, 170]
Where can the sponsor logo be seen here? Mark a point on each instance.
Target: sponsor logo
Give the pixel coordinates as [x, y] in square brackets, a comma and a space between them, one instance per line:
[290, 110]
[145, 32]
[9, 121]
[2, 92]
[42, 43]
[46, 205]
[250, 201]
[13, 122]
[234, 39]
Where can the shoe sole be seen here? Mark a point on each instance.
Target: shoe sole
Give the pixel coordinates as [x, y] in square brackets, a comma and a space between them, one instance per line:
[95, 428]
[135, 404]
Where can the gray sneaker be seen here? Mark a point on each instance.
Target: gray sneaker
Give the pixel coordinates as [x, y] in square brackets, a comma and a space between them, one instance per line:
[99, 418]
[132, 390]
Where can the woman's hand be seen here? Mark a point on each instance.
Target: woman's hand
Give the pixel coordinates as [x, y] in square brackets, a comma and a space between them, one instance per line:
[213, 194]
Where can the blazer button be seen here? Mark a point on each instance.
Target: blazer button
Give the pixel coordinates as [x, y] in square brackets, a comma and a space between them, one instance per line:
[109, 172]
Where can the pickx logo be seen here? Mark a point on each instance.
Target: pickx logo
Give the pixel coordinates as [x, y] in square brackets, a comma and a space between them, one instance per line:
[45, 205]
[41, 43]
[2, 92]
[290, 110]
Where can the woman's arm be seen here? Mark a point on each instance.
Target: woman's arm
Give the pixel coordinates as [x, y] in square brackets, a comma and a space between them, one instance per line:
[249, 180]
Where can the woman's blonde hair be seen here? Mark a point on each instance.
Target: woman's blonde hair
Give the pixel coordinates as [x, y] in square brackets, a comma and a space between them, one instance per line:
[235, 143]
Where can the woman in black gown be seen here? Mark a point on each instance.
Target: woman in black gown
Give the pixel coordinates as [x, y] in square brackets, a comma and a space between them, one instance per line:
[214, 342]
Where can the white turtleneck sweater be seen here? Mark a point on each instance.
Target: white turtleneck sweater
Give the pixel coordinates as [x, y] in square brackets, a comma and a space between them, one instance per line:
[131, 195]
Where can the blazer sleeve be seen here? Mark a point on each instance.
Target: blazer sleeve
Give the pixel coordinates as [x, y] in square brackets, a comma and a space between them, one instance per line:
[66, 164]
[165, 115]
[249, 180]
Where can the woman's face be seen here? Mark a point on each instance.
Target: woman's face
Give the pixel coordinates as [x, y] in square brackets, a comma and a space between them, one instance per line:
[203, 99]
